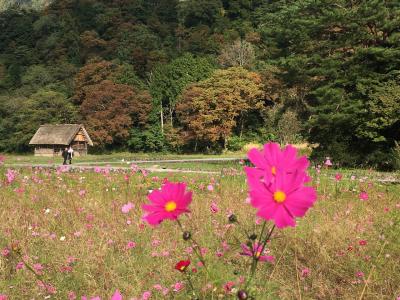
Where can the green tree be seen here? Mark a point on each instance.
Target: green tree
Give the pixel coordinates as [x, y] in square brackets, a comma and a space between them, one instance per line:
[168, 81]
[21, 117]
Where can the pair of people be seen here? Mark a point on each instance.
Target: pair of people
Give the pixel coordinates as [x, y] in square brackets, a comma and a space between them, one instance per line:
[67, 154]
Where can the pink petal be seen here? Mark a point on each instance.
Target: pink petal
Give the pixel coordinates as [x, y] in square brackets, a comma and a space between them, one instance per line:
[282, 218]
[257, 158]
[116, 296]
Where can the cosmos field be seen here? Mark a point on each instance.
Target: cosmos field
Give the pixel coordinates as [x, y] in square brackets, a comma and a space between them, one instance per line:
[76, 233]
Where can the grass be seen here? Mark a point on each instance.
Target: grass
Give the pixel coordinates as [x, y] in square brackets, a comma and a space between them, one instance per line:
[49, 219]
[114, 158]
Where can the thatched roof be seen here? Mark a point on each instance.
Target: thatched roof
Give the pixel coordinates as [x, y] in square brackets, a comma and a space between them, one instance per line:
[60, 134]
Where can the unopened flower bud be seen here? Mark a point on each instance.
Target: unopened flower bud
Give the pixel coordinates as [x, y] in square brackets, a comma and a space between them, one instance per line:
[232, 218]
[186, 235]
[242, 295]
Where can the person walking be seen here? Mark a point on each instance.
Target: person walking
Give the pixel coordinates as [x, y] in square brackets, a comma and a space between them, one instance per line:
[70, 154]
[65, 155]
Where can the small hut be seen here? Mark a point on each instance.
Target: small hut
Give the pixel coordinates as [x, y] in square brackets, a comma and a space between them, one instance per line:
[50, 140]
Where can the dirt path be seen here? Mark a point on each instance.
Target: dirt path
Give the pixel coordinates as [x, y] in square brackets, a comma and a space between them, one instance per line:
[112, 168]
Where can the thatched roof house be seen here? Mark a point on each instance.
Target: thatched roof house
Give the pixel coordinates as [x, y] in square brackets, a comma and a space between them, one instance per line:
[49, 140]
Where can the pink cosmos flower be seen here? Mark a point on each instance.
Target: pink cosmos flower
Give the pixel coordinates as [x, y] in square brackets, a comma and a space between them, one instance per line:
[178, 286]
[363, 196]
[117, 296]
[305, 272]
[127, 207]
[229, 286]
[146, 295]
[214, 208]
[11, 175]
[19, 265]
[130, 245]
[256, 251]
[338, 177]
[168, 203]
[5, 252]
[282, 199]
[360, 274]
[362, 242]
[71, 295]
[3, 297]
[38, 268]
[272, 159]
[210, 187]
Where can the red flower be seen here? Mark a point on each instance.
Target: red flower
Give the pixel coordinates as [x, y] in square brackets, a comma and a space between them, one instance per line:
[182, 265]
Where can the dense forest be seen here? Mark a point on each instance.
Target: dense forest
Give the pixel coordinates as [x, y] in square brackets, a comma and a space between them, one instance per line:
[205, 75]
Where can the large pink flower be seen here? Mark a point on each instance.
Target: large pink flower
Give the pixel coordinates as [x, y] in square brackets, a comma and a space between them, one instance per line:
[282, 199]
[167, 203]
[272, 159]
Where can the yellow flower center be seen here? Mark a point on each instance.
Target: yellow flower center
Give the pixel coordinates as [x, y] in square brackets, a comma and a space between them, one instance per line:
[279, 196]
[170, 206]
[258, 253]
[273, 170]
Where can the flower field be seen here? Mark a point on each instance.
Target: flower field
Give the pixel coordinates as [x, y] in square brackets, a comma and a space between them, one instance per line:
[83, 234]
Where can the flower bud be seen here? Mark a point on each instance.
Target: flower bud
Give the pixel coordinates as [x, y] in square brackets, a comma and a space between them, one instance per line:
[186, 235]
[253, 237]
[232, 218]
[242, 295]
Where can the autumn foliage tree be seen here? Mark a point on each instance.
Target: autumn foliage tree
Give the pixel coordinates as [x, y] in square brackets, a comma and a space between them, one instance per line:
[107, 111]
[211, 109]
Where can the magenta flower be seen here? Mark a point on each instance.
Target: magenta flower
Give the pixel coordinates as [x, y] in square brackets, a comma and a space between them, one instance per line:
[11, 175]
[363, 196]
[272, 159]
[5, 252]
[146, 295]
[168, 203]
[130, 245]
[214, 208]
[338, 177]
[256, 251]
[305, 272]
[117, 296]
[178, 286]
[283, 199]
[19, 266]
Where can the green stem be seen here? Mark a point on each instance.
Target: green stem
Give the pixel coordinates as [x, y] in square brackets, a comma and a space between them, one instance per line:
[190, 283]
[257, 258]
[196, 248]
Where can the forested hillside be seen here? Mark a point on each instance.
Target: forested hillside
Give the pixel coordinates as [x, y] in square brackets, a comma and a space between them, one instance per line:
[205, 75]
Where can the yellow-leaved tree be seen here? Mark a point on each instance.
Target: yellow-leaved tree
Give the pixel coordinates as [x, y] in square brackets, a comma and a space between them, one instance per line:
[209, 110]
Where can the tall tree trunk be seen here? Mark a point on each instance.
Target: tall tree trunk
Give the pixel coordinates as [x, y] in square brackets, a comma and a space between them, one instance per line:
[162, 119]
